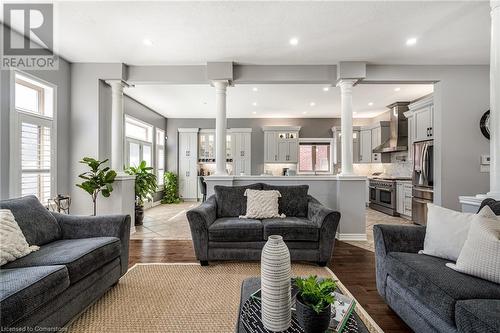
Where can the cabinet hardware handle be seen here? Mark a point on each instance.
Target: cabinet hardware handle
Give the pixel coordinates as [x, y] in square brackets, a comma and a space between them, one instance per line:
[275, 157]
[242, 153]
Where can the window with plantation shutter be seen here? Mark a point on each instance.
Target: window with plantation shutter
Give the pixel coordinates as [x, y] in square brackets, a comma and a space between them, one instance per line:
[33, 166]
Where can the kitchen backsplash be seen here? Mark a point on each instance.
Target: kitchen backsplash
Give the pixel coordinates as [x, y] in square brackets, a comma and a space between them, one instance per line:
[399, 167]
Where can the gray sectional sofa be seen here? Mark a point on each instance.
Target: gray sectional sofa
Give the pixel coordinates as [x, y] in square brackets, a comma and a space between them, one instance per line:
[309, 228]
[80, 257]
[426, 294]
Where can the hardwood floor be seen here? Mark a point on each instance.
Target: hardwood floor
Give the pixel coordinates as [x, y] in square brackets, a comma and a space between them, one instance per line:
[354, 266]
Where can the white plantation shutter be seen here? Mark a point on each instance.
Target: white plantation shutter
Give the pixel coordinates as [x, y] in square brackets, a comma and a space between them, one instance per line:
[33, 158]
[36, 160]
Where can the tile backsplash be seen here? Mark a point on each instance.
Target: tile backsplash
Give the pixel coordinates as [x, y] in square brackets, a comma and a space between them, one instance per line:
[399, 167]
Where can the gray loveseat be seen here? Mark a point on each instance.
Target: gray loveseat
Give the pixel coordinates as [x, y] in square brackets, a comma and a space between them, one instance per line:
[80, 257]
[426, 294]
[218, 234]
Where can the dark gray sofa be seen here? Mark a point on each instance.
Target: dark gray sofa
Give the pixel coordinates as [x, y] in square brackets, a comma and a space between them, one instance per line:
[309, 228]
[80, 257]
[426, 294]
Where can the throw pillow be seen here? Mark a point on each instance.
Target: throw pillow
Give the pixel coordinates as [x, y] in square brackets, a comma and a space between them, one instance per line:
[262, 204]
[13, 244]
[480, 255]
[447, 231]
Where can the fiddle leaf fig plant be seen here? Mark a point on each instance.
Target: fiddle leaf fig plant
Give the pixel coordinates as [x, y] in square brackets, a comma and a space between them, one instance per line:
[96, 180]
[145, 182]
[317, 294]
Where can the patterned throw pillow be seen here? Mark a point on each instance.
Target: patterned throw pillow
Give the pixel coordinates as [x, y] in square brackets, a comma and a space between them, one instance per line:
[480, 255]
[262, 205]
[13, 244]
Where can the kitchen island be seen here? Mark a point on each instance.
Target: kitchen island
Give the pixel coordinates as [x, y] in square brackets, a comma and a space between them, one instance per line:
[345, 194]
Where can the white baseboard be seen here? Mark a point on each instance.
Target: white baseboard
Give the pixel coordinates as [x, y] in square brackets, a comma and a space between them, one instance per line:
[351, 237]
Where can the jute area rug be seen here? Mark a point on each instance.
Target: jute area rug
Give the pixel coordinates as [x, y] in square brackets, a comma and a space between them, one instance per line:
[176, 298]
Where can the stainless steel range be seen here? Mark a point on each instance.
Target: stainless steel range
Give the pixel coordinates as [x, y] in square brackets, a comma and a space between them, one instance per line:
[383, 196]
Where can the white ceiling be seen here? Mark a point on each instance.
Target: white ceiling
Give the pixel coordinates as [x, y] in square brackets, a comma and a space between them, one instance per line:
[273, 101]
[258, 32]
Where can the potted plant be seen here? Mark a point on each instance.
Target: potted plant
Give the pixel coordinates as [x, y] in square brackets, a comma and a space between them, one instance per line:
[313, 305]
[145, 187]
[97, 179]
[171, 189]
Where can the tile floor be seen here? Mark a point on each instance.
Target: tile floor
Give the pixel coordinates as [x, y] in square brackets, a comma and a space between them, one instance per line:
[169, 222]
[165, 222]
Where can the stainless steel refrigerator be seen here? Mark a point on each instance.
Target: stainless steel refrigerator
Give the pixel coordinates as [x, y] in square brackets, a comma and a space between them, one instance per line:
[423, 180]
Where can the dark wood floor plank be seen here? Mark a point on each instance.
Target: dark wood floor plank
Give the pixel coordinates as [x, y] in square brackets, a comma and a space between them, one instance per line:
[354, 266]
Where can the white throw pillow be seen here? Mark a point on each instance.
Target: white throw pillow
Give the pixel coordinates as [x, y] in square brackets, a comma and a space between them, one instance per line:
[480, 255]
[447, 231]
[262, 204]
[13, 244]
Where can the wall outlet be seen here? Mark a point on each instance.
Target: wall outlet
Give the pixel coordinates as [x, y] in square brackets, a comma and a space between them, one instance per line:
[485, 159]
[484, 168]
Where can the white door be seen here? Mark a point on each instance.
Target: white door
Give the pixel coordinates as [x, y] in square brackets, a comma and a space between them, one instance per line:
[423, 124]
[283, 150]
[271, 154]
[365, 150]
[293, 151]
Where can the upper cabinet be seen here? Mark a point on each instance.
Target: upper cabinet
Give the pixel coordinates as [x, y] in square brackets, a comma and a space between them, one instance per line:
[365, 144]
[421, 115]
[281, 144]
[206, 145]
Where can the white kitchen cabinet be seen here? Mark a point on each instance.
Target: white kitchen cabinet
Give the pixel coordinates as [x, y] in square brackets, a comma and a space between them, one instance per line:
[206, 145]
[403, 198]
[411, 134]
[365, 146]
[422, 114]
[281, 144]
[188, 163]
[241, 152]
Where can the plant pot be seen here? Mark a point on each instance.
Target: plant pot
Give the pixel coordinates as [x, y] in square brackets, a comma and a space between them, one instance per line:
[139, 215]
[310, 320]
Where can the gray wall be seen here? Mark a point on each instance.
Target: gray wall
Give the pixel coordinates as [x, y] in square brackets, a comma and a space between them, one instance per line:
[90, 109]
[62, 79]
[311, 128]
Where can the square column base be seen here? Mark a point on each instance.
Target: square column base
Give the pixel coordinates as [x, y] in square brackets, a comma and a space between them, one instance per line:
[121, 200]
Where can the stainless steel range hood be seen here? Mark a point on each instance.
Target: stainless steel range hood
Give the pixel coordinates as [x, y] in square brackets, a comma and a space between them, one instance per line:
[398, 141]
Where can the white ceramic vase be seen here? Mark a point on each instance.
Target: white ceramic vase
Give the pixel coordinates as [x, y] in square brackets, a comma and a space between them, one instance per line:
[275, 285]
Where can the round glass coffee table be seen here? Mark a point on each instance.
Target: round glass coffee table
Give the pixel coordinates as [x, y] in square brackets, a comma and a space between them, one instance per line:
[249, 318]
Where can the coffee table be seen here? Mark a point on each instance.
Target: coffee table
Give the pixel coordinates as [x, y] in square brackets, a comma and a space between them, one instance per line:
[249, 313]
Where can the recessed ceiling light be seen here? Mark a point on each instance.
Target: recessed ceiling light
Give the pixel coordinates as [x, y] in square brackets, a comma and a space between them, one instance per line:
[255, 89]
[294, 41]
[254, 112]
[254, 103]
[411, 41]
[147, 42]
[312, 104]
[370, 104]
[326, 88]
[305, 112]
[354, 112]
[397, 89]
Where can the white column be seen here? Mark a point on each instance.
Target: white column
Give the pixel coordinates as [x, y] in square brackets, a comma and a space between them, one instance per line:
[117, 125]
[346, 125]
[495, 101]
[220, 126]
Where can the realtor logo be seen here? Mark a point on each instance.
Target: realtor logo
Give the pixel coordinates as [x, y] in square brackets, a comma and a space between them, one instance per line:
[28, 36]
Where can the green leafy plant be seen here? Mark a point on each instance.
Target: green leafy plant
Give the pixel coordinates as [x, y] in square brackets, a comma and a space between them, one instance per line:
[171, 188]
[145, 182]
[317, 294]
[97, 180]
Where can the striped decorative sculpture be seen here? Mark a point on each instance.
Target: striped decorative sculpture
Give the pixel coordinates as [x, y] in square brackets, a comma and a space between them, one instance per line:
[275, 285]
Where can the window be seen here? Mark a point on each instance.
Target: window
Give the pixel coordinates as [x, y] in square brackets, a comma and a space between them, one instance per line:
[33, 139]
[139, 137]
[314, 157]
[160, 155]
